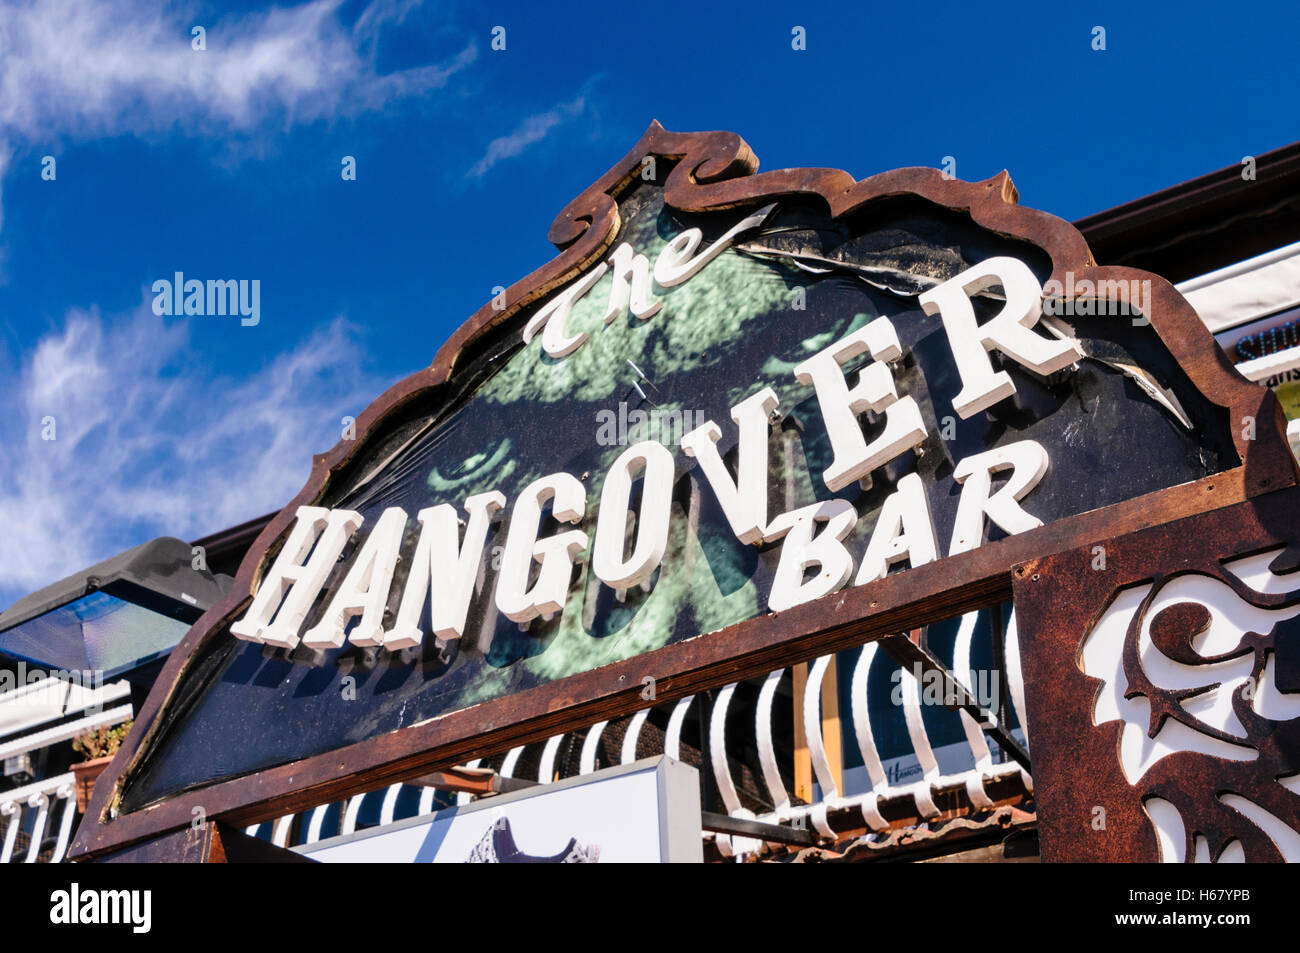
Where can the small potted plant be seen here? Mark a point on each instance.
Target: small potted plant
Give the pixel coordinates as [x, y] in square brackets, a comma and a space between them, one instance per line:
[98, 747]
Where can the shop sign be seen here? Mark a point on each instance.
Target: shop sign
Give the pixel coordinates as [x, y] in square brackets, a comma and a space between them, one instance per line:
[740, 421]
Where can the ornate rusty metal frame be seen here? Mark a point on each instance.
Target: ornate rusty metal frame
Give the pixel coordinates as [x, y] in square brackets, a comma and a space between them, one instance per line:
[1088, 810]
[713, 171]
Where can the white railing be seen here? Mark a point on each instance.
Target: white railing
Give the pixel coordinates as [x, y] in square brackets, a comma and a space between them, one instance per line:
[979, 769]
[48, 807]
[52, 736]
[922, 792]
[45, 806]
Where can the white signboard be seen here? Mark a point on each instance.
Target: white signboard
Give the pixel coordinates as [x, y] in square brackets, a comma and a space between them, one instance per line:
[646, 812]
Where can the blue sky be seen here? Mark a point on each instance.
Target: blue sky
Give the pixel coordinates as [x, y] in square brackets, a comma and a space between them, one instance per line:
[225, 163]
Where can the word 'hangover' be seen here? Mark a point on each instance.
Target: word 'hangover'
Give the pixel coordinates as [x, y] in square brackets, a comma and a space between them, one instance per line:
[536, 571]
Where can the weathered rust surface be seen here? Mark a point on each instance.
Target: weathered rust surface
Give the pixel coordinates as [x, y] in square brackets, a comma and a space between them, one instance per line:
[189, 845]
[716, 171]
[944, 837]
[212, 843]
[941, 835]
[1077, 770]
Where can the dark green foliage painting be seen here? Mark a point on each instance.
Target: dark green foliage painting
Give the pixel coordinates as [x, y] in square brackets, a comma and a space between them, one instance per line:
[778, 294]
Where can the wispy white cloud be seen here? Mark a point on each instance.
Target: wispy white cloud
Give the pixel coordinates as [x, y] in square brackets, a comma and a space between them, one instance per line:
[83, 68]
[532, 130]
[6, 156]
[379, 14]
[147, 442]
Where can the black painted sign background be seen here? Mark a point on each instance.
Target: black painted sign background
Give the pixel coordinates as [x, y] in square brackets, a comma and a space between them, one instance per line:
[731, 330]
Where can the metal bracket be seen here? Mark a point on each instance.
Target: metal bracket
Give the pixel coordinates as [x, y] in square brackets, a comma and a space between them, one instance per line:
[742, 827]
[480, 781]
[909, 654]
